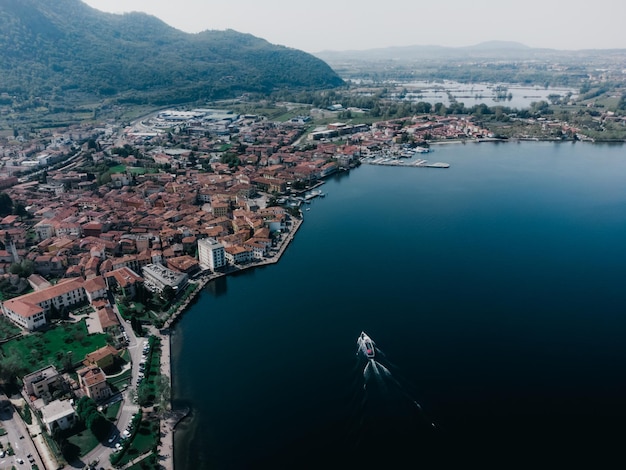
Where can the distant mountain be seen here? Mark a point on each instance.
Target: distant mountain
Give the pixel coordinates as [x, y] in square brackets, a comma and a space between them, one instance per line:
[498, 46]
[489, 49]
[61, 48]
[491, 62]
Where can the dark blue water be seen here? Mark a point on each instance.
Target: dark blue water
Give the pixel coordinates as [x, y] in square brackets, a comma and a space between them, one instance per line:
[494, 291]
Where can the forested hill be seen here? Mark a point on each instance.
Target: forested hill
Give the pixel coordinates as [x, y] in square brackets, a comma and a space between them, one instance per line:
[57, 48]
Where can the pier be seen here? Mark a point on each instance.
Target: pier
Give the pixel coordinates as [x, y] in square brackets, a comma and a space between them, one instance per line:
[389, 161]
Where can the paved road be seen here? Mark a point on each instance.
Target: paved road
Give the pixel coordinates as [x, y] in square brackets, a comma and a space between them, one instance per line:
[135, 346]
[17, 436]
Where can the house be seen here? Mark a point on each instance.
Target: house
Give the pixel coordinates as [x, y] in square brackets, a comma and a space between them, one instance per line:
[184, 264]
[102, 358]
[93, 382]
[48, 264]
[124, 279]
[42, 381]
[45, 229]
[237, 254]
[37, 282]
[95, 288]
[58, 415]
[107, 318]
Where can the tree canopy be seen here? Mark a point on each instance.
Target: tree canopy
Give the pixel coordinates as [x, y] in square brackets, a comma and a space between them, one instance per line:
[52, 50]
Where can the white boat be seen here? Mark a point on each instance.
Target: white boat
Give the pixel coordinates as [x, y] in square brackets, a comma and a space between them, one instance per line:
[366, 345]
[421, 150]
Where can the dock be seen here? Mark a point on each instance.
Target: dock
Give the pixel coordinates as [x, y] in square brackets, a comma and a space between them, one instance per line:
[419, 163]
[313, 194]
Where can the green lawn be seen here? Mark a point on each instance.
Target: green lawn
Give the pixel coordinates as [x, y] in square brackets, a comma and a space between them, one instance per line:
[119, 381]
[131, 169]
[8, 328]
[145, 439]
[53, 346]
[149, 463]
[118, 169]
[137, 170]
[111, 412]
[84, 440]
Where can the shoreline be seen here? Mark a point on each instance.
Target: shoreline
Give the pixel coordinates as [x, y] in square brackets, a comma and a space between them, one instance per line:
[172, 418]
[296, 223]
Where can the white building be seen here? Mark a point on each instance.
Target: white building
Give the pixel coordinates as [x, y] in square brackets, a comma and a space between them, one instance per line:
[211, 254]
[29, 311]
[238, 255]
[96, 288]
[45, 229]
[41, 381]
[58, 415]
[157, 277]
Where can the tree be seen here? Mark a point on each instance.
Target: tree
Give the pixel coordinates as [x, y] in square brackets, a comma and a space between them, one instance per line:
[136, 325]
[168, 293]
[6, 204]
[10, 368]
[23, 269]
[87, 411]
[143, 394]
[19, 209]
[104, 178]
[84, 407]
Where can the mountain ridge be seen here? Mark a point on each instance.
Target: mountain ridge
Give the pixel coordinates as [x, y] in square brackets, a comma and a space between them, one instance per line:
[67, 47]
[483, 50]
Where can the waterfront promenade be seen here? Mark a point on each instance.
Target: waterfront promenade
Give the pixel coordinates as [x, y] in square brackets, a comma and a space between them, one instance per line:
[171, 419]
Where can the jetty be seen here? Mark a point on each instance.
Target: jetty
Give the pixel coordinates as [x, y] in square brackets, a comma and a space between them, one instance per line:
[389, 161]
[313, 194]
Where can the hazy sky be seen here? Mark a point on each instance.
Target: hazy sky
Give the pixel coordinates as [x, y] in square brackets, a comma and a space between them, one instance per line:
[335, 25]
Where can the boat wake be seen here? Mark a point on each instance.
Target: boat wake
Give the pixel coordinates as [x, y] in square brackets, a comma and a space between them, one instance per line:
[385, 415]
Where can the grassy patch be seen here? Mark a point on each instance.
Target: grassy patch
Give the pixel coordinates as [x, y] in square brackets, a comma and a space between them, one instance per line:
[145, 439]
[84, 440]
[118, 169]
[111, 412]
[149, 463]
[54, 345]
[119, 381]
[136, 170]
[7, 328]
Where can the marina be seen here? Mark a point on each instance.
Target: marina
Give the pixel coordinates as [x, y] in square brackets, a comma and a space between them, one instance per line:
[313, 194]
[392, 161]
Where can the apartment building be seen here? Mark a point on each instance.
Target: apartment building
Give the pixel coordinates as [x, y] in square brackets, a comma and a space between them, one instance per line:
[29, 311]
[211, 254]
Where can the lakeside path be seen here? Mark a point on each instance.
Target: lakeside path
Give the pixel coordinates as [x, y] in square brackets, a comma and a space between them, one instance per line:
[169, 422]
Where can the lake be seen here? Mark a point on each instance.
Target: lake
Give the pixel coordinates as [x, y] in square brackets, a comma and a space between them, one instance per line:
[493, 290]
[471, 94]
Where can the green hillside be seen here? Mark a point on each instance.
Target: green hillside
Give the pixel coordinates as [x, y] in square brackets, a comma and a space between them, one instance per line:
[64, 49]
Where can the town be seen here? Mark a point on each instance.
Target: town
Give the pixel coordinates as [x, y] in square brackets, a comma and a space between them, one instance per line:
[108, 231]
